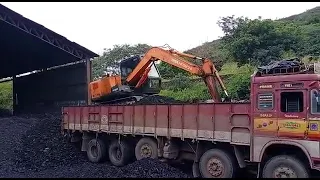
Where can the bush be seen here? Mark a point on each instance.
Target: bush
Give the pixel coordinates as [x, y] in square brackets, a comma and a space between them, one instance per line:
[238, 81]
[195, 92]
[6, 95]
[179, 82]
[187, 89]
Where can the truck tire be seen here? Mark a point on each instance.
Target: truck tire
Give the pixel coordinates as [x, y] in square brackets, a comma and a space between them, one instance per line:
[146, 148]
[120, 153]
[284, 166]
[215, 163]
[97, 150]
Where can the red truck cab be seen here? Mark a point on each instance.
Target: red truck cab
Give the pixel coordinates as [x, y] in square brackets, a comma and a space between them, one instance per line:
[286, 113]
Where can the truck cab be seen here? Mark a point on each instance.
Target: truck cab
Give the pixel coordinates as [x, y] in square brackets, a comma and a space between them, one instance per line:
[287, 104]
[285, 107]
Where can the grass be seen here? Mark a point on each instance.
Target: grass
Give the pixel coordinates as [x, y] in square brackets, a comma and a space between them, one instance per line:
[198, 91]
[6, 95]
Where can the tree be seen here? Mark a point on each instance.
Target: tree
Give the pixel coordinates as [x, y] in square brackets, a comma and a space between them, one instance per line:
[109, 61]
[230, 24]
[168, 71]
[237, 80]
[258, 41]
[311, 43]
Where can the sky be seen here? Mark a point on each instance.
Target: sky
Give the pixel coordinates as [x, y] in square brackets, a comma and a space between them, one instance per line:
[99, 25]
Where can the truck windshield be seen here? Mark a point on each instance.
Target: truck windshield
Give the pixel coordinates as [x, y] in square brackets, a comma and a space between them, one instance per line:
[315, 101]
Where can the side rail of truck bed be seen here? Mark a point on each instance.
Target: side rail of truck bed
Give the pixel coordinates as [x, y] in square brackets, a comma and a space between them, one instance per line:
[211, 122]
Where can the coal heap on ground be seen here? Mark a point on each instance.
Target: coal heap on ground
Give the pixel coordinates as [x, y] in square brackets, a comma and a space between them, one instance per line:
[151, 168]
[147, 168]
[32, 146]
[5, 112]
[44, 147]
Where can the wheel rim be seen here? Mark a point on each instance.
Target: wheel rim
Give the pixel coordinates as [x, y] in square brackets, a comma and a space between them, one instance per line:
[94, 151]
[146, 151]
[215, 167]
[284, 172]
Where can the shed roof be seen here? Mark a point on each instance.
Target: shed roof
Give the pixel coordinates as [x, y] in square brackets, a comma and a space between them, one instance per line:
[26, 46]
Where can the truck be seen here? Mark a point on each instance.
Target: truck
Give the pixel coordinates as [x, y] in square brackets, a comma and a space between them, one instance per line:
[276, 132]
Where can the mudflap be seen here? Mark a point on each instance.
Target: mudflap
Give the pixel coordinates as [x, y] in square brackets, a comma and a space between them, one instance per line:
[196, 170]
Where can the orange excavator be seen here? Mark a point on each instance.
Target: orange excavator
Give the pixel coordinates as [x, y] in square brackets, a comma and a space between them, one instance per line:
[136, 79]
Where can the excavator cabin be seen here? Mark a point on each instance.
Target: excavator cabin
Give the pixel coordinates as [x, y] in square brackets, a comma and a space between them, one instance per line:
[153, 82]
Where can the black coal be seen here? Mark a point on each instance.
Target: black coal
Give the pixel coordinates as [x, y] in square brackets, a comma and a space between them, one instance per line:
[44, 147]
[32, 146]
[157, 99]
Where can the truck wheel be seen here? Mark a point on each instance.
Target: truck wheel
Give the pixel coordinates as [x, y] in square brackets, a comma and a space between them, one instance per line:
[120, 153]
[96, 151]
[284, 166]
[215, 163]
[146, 148]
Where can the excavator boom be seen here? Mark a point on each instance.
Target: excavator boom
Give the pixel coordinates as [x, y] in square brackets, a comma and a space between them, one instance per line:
[207, 71]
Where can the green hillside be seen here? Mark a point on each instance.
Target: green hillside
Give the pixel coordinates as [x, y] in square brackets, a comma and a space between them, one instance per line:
[249, 43]
[308, 22]
[306, 16]
[210, 50]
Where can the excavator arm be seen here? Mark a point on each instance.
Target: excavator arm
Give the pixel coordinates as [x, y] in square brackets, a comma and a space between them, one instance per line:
[207, 71]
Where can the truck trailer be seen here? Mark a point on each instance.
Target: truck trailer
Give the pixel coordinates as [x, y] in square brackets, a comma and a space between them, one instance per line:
[277, 132]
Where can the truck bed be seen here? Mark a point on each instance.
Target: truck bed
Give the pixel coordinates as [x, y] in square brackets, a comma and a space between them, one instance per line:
[226, 122]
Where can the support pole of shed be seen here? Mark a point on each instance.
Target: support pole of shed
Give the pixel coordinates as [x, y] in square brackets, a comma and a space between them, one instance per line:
[14, 95]
[89, 78]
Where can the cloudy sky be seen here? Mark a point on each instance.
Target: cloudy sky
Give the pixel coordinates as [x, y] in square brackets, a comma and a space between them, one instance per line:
[181, 25]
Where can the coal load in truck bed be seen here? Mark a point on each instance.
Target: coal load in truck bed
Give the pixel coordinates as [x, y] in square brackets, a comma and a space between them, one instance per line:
[157, 99]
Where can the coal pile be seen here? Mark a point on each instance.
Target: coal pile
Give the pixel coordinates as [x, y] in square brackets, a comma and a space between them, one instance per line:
[81, 170]
[12, 130]
[32, 146]
[151, 168]
[147, 168]
[5, 112]
[44, 147]
[157, 99]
